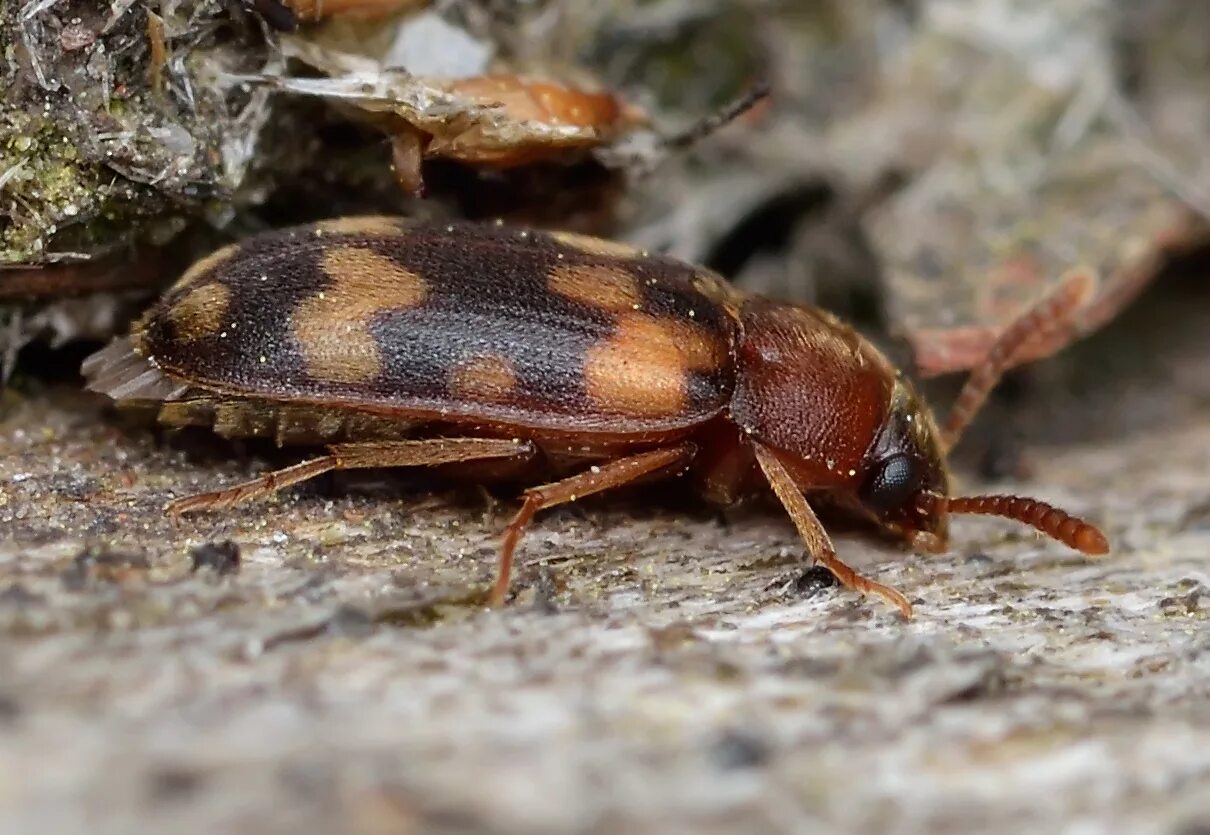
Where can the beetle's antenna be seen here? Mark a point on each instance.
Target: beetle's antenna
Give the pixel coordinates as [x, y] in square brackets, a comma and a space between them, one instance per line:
[1055, 523]
[1049, 315]
[707, 125]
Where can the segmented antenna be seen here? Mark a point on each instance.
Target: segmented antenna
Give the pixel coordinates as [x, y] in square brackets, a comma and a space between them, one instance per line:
[728, 113]
[1055, 523]
[1049, 315]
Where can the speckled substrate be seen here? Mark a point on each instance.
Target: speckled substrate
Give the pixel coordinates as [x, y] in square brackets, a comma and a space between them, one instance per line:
[656, 678]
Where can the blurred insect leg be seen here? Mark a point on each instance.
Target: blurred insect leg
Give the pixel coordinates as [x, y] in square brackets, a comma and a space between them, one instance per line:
[606, 476]
[819, 544]
[420, 453]
[407, 155]
[1051, 318]
[747, 100]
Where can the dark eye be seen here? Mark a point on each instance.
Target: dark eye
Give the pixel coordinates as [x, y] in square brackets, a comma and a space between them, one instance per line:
[893, 483]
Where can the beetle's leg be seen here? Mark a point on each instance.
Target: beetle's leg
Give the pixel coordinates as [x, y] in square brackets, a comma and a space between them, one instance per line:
[419, 453]
[595, 480]
[819, 544]
[407, 154]
[1051, 320]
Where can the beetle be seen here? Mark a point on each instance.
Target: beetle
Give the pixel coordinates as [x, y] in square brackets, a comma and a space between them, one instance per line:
[498, 122]
[576, 363]
[495, 122]
[505, 121]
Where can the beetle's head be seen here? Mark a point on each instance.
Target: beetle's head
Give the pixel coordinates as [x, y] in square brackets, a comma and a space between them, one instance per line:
[904, 469]
[846, 425]
[905, 485]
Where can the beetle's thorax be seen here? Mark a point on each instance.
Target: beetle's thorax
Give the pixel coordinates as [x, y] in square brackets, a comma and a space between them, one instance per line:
[837, 414]
[810, 388]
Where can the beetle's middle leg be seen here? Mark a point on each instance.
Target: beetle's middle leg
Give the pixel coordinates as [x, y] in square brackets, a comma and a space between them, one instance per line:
[599, 478]
[417, 453]
[819, 544]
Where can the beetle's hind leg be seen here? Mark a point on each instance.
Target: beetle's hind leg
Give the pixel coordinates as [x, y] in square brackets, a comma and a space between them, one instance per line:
[599, 478]
[418, 453]
[819, 544]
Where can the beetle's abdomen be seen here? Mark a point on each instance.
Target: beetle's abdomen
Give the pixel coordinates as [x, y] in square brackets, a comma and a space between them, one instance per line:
[483, 322]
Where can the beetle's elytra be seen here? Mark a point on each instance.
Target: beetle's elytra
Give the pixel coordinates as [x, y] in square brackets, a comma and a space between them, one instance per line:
[550, 356]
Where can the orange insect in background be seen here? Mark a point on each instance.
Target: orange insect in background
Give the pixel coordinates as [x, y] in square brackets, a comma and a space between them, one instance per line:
[506, 121]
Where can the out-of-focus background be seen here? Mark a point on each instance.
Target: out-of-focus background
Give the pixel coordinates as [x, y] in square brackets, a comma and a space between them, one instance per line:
[319, 662]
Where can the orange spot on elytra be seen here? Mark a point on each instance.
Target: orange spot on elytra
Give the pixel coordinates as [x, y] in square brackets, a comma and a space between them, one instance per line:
[610, 288]
[487, 378]
[588, 245]
[643, 368]
[332, 327]
[200, 311]
[362, 225]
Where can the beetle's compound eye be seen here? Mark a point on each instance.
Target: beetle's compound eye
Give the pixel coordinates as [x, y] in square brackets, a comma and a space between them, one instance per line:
[893, 483]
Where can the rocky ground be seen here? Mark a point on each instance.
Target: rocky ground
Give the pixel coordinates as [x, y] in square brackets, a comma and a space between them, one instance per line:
[322, 662]
[656, 674]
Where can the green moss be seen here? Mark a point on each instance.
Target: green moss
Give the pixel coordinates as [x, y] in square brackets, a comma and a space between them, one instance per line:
[59, 201]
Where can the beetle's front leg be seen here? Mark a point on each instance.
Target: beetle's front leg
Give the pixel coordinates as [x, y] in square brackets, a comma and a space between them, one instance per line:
[819, 544]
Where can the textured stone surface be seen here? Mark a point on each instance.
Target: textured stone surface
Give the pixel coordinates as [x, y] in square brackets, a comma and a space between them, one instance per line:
[659, 673]
[657, 677]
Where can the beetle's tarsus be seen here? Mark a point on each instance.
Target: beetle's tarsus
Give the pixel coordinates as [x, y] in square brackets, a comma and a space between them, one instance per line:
[818, 543]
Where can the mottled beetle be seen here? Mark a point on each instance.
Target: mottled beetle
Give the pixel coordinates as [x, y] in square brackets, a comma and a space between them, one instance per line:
[545, 354]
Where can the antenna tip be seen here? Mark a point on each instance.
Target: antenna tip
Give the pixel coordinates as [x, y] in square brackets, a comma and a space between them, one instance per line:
[1089, 540]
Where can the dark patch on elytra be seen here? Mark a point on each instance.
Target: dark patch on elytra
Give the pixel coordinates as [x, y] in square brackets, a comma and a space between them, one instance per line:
[488, 297]
[510, 312]
[268, 278]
